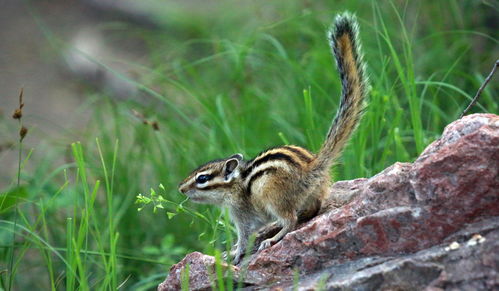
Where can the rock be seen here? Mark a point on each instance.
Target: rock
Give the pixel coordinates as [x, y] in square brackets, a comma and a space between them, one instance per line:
[203, 266]
[397, 229]
[471, 266]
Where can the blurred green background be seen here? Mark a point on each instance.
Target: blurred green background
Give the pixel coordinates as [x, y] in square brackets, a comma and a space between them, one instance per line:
[122, 97]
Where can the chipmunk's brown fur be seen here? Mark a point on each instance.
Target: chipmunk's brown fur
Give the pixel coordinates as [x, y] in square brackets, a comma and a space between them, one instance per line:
[287, 183]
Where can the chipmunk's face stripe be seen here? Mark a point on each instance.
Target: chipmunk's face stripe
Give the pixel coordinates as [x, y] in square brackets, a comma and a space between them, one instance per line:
[217, 186]
[259, 174]
[268, 157]
[212, 168]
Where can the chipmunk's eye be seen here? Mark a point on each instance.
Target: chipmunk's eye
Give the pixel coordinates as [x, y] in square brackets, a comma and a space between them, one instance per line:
[203, 179]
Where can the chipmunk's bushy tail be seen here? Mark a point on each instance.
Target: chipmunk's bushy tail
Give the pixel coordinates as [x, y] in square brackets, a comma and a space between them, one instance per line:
[346, 48]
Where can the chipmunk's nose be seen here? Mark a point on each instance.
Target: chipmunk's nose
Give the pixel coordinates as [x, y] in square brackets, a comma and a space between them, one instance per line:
[182, 188]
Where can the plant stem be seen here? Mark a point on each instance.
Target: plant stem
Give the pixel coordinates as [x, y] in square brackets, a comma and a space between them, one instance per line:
[11, 262]
[479, 92]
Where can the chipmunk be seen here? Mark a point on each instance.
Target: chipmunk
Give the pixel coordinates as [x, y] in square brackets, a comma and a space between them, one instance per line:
[286, 183]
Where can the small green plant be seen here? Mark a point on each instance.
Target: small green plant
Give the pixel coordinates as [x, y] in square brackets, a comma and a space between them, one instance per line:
[217, 226]
[157, 201]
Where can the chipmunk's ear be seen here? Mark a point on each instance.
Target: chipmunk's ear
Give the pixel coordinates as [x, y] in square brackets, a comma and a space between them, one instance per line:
[230, 168]
[237, 156]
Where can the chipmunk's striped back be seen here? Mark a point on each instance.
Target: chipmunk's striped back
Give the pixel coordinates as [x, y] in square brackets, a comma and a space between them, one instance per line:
[287, 158]
[288, 182]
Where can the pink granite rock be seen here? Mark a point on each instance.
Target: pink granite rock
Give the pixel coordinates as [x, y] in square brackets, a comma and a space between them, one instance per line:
[201, 270]
[405, 209]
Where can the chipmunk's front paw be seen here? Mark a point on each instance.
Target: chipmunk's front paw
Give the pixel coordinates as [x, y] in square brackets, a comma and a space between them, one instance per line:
[237, 255]
[266, 244]
[226, 256]
[237, 259]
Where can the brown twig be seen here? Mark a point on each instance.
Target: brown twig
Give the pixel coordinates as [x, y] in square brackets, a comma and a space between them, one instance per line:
[479, 92]
[153, 124]
[18, 115]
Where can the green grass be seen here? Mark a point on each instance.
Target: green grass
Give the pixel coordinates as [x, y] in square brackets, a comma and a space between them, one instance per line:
[237, 77]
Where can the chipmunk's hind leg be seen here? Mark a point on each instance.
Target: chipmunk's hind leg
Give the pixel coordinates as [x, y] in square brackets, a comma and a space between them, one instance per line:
[280, 198]
[287, 219]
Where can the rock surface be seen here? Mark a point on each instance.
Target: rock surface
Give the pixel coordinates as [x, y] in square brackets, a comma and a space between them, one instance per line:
[432, 224]
[201, 265]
